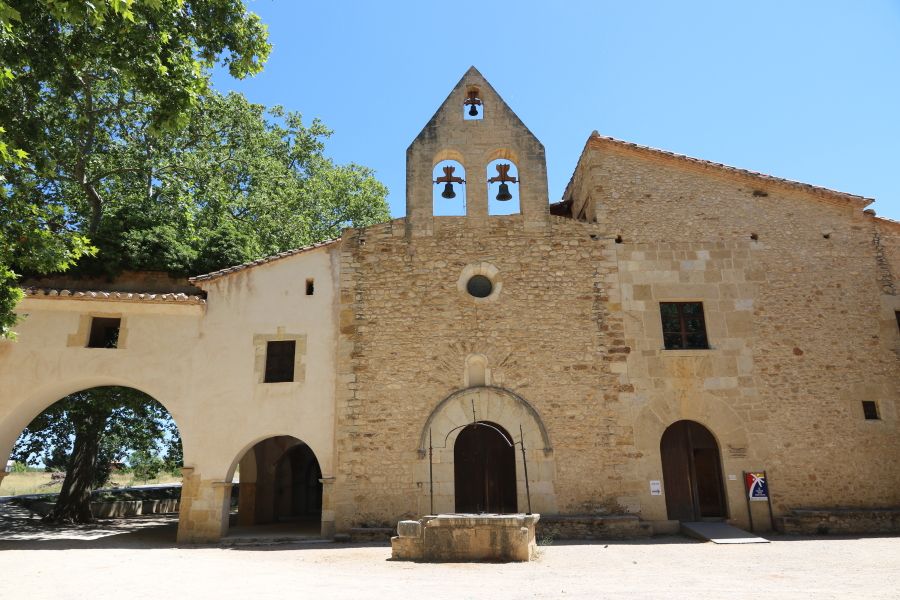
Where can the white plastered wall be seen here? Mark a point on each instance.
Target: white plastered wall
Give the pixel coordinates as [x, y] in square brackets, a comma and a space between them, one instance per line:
[200, 361]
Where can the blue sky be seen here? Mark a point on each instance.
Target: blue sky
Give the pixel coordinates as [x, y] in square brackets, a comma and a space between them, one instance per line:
[808, 91]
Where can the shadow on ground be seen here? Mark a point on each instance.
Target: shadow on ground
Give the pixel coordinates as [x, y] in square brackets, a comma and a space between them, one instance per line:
[21, 529]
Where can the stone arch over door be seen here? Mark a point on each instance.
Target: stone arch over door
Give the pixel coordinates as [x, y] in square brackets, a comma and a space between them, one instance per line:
[731, 433]
[508, 410]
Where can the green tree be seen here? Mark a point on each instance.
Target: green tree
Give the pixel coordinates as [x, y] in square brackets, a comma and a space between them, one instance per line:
[68, 68]
[238, 182]
[86, 432]
[126, 159]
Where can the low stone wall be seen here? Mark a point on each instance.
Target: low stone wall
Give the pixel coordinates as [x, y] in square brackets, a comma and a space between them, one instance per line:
[116, 510]
[592, 527]
[133, 508]
[840, 521]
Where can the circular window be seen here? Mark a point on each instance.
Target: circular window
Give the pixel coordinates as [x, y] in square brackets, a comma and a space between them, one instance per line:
[479, 286]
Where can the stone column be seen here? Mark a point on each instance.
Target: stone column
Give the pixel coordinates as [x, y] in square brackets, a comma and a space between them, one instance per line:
[327, 507]
[204, 509]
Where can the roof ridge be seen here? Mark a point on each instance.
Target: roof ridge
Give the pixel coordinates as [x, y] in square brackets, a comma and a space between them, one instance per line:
[862, 200]
[260, 261]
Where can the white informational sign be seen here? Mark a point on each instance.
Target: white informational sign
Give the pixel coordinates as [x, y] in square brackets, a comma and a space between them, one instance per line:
[655, 488]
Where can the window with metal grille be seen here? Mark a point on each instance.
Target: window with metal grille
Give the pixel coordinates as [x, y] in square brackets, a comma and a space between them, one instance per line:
[280, 361]
[870, 410]
[104, 332]
[683, 325]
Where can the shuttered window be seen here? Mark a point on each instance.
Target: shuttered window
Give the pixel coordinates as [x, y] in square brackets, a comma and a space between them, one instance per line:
[280, 361]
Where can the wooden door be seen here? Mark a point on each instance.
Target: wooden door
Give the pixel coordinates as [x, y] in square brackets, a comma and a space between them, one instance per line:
[692, 472]
[484, 468]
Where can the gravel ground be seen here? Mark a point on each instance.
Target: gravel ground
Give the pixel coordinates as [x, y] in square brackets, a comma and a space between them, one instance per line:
[146, 564]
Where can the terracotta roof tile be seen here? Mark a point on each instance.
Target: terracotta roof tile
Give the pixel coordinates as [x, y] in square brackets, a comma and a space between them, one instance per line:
[171, 298]
[261, 261]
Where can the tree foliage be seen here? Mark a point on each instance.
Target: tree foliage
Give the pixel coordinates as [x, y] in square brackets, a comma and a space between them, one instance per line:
[87, 432]
[67, 69]
[238, 182]
[116, 154]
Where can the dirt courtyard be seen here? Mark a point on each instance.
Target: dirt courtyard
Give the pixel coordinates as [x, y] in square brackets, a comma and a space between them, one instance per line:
[106, 562]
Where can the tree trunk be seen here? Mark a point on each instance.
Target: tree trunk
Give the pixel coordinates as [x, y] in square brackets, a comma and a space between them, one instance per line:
[74, 504]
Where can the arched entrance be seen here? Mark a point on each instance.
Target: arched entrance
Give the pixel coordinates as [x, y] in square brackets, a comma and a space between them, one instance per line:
[692, 473]
[484, 468]
[110, 436]
[279, 488]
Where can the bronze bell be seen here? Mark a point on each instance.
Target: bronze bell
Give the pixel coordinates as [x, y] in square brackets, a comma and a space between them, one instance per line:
[448, 192]
[503, 194]
[473, 111]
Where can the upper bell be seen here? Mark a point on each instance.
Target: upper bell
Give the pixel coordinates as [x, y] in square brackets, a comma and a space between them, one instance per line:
[503, 193]
[473, 111]
[448, 192]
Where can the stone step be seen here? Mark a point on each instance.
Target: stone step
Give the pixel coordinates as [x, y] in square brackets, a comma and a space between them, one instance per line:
[718, 532]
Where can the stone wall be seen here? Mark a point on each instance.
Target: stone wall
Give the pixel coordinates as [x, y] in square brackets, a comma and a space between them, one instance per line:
[840, 522]
[590, 527]
[797, 304]
[793, 286]
[549, 337]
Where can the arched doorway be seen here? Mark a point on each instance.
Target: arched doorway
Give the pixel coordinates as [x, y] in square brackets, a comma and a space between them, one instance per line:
[692, 473]
[484, 468]
[279, 488]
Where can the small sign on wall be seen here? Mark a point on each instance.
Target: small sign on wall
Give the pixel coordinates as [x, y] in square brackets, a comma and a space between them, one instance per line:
[757, 488]
[655, 488]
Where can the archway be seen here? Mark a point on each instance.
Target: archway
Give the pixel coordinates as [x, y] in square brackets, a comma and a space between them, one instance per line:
[449, 192]
[279, 488]
[115, 437]
[502, 176]
[484, 469]
[505, 410]
[692, 472]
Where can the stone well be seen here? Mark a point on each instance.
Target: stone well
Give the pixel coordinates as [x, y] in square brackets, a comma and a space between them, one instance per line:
[466, 538]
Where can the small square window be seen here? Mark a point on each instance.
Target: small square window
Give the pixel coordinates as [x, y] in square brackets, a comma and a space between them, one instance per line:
[870, 410]
[104, 332]
[683, 325]
[280, 361]
[310, 287]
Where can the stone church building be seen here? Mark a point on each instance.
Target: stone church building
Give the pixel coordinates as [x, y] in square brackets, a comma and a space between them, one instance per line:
[670, 324]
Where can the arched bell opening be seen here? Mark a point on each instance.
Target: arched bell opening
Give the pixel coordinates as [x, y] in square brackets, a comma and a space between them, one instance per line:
[277, 489]
[503, 187]
[692, 473]
[484, 469]
[473, 106]
[449, 191]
